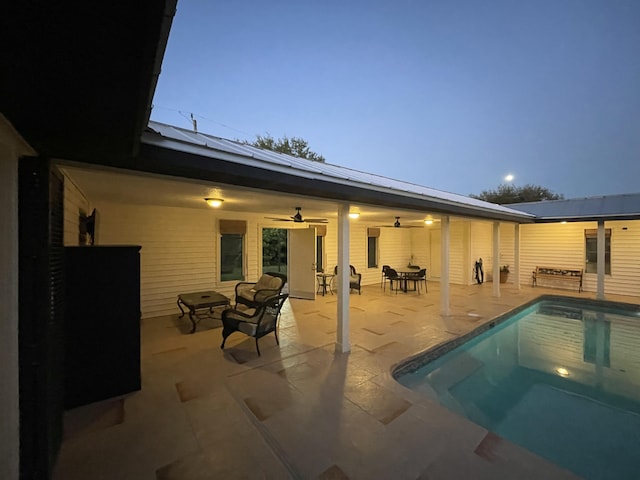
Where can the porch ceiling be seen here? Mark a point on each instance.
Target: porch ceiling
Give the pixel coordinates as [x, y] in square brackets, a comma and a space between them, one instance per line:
[138, 188]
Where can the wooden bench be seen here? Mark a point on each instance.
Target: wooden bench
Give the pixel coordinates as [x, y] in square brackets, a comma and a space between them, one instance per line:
[557, 275]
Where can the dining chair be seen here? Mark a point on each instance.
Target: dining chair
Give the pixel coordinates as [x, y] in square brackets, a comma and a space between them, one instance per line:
[418, 278]
[393, 276]
[383, 281]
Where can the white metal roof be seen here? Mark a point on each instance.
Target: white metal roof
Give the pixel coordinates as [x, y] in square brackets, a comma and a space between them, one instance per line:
[623, 207]
[182, 140]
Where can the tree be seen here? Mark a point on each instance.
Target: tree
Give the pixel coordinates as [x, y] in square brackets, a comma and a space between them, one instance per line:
[506, 194]
[294, 146]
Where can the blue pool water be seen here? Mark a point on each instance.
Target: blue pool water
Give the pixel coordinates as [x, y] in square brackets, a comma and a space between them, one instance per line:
[560, 378]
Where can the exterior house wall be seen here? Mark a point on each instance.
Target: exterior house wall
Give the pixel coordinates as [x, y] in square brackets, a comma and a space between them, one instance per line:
[482, 247]
[625, 260]
[358, 251]
[395, 249]
[180, 248]
[552, 245]
[458, 248]
[12, 147]
[563, 245]
[74, 202]
[178, 254]
[507, 247]
[420, 248]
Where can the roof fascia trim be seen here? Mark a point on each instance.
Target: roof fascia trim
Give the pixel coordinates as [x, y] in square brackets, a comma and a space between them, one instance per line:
[193, 150]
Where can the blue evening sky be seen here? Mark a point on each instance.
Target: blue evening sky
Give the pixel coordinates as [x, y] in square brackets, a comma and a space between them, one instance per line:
[450, 94]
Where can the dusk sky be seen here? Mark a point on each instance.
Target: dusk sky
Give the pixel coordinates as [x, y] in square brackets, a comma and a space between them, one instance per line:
[448, 94]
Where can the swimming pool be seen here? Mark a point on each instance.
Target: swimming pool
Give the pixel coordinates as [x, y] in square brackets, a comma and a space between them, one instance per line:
[560, 377]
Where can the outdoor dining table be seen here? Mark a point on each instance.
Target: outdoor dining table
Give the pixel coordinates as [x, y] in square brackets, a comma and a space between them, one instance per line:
[404, 274]
[324, 282]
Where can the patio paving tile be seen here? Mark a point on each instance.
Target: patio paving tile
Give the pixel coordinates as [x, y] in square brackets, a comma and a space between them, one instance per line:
[301, 410]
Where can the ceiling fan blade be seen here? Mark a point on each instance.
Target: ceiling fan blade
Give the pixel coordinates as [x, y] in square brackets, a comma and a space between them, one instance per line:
[316, 220]
[279, 219]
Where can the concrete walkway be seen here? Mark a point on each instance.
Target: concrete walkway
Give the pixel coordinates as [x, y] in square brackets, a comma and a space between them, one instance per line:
[300, 410]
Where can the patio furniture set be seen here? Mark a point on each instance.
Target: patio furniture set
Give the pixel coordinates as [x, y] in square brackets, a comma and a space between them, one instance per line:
[262, 301]
[401, 278]
[326, 280]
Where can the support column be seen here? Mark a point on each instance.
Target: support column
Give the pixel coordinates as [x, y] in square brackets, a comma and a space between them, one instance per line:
[516, 255]
[343, 342]
[496, 259]
[444, 264]
[601, 260]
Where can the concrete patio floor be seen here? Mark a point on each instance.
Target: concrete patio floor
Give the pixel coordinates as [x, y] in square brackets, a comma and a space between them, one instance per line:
[300, 410]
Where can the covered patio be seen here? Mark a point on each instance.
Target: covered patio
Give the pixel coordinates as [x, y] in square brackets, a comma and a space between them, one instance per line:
[301, 410]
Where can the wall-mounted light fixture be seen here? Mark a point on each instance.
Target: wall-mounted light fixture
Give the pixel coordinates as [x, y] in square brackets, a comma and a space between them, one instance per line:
[428, 222]
[354, 214]
[214, 202]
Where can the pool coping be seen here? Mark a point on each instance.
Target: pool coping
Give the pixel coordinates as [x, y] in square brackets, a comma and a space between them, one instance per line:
[414, 362]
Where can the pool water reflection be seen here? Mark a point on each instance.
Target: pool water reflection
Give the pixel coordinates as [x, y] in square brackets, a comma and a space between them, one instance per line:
[561, 378]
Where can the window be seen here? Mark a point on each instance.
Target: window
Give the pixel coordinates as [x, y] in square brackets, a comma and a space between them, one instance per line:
[232, 250]
[319, 253]
[372, 247]
[321, 232]
[591, 249]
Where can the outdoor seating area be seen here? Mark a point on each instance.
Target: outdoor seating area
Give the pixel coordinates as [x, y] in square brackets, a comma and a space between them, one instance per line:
[194, 302]
[355, 278]
[400, 279]
[255, 323]
[201, 409]
[252, 294]
[557, 277]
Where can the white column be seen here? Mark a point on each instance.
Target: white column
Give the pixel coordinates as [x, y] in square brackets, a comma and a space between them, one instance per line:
[601, 260]
[444, 264]
[516, 255]
[496, 259]
[343, 342]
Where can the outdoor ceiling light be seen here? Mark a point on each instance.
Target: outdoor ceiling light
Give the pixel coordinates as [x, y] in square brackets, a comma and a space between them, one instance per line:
[563, 372]
[214, 202]
[354, 214]
[428, 222]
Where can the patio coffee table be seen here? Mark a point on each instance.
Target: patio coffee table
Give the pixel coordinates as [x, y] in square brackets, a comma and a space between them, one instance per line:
[195, 301]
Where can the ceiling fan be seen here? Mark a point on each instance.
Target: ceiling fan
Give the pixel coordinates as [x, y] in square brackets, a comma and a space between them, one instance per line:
[297, 218]
[397, 224]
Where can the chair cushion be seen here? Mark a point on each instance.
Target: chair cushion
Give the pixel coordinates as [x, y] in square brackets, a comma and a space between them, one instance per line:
[246, 291]
[248, 328]
[267, 281]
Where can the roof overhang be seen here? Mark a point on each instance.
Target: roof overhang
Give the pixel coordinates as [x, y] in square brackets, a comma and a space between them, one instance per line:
[590, 209]
[251, 168]
[79, 77]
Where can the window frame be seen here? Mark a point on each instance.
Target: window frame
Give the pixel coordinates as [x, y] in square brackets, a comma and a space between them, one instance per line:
[375, 253]
[591, 251]
[236, 228]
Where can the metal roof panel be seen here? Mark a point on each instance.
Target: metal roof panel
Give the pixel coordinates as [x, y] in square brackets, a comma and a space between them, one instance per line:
[211, 146]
